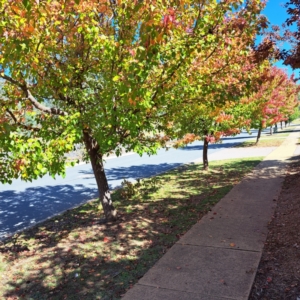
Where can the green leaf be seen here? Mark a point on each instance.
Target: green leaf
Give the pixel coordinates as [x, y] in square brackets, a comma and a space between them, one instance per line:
[26, 4]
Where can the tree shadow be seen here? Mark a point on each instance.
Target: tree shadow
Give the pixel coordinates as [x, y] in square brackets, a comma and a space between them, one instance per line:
[136, 172]
[286, 131]
[19, 210]
[75, 256]
[66, 265]
[294, 158]
[211, 146]
[237, 138]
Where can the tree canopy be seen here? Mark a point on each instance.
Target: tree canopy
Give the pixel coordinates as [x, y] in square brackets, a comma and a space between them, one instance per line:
[110, 73]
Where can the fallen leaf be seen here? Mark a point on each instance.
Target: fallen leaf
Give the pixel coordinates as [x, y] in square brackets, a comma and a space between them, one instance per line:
[232, 244]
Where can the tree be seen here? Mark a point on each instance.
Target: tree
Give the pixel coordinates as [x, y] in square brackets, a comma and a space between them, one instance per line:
[274, 101]
[231, 76]
[211, 124]
[291, 56]
[102, 73]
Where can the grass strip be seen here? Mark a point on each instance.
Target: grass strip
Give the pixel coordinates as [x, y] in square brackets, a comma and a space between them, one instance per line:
[275, 135]
[76, 256]
[262, 143]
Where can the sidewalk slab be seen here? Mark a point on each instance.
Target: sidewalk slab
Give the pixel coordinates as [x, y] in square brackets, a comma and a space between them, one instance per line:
[239, 218]
[218, 257]
[153, 293]
[238, 233]
[210, 271]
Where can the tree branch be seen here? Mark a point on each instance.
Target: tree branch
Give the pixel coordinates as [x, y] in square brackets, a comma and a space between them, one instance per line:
[31, 98]
[21, 124]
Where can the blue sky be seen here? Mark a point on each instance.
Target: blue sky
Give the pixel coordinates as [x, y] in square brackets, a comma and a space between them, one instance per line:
[277, 15]
[275, 12]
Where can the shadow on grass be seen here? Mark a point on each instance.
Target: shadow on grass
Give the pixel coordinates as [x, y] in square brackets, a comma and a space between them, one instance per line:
[213, 146]
[286, 131]
[23, 209]
[75, 256]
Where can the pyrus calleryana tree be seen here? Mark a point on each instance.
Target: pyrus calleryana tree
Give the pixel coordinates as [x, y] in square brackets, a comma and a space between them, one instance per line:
[97, 72]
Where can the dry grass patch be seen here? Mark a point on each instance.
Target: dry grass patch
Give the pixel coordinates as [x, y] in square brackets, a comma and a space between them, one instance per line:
[262, 143]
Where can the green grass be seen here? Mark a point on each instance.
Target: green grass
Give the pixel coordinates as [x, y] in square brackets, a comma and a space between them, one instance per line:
[296, 122]
[76, 256]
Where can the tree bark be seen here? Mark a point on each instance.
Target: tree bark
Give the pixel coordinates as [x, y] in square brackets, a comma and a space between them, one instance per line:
[281, 125]
[96, 158]
[258, 135]
[271, 130]
[205, 158]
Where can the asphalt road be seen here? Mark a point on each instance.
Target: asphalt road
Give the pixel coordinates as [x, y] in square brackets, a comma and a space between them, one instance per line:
[23, 204]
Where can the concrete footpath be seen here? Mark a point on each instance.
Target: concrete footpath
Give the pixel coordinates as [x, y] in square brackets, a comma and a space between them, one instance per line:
[219, 256]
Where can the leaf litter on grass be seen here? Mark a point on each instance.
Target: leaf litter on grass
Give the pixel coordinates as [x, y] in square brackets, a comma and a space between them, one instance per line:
[77, 256]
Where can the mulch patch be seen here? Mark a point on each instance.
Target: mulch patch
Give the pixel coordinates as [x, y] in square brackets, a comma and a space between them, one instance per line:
[278, 275]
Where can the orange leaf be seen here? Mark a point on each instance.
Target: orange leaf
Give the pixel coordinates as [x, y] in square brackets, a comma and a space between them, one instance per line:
[29, 28]
[17, 10]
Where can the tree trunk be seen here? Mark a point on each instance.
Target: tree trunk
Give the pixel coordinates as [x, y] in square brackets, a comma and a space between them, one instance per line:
[281, 125]
[258, 135]
[99, 172]
[205, 159]
[271, 130]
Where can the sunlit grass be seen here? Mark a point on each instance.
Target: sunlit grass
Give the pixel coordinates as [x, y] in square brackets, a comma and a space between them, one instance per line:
[274, 142]
[76, 256]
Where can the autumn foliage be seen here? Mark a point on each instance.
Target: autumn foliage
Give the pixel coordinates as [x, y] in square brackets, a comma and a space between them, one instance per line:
[118, 76]
[275, 99]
